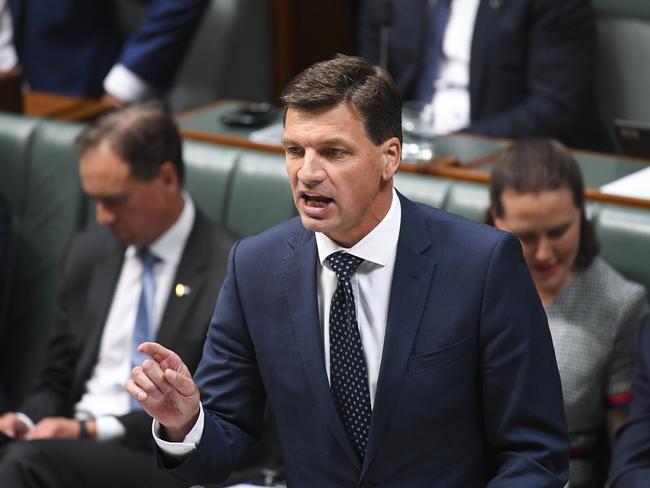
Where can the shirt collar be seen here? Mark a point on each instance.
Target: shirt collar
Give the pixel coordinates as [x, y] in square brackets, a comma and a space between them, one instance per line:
[169, 246]
[378, 246]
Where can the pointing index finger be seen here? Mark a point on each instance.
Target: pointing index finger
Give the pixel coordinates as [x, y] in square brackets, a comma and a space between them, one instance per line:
[157, 352]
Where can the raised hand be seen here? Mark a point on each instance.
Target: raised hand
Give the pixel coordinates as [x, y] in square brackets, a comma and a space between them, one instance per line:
[164, 387]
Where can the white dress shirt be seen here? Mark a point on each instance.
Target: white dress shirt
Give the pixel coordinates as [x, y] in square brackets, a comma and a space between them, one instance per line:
[451, 100]
[105, 397]
[371, 285]
[8, 59]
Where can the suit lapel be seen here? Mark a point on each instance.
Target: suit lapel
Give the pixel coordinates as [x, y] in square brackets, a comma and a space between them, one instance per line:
[300, 289]
[191, 273]
[412, 279]
[100, 295]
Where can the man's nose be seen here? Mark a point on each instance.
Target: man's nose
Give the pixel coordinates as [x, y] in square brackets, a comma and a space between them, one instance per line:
[312, 171]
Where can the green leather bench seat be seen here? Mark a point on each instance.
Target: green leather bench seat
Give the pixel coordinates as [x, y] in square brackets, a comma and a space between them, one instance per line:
[245, 190]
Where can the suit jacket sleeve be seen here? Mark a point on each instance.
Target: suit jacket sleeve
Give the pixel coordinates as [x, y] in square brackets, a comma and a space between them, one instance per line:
[522, 397]
[156, 50]
[232, 393]
[630, 465]
[559, 68]
[51, 397]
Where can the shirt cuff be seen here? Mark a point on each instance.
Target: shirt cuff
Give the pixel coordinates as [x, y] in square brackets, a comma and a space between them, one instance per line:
[25, 420]
[126, 86]
[180, 449]
[109, 427]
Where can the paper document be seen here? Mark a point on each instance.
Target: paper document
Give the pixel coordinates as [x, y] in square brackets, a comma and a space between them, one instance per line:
[635, 185]
[268, 135]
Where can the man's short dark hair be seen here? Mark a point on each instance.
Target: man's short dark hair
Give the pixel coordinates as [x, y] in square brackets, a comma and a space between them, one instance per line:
[538, 165]
[348, 79]
[143, 135]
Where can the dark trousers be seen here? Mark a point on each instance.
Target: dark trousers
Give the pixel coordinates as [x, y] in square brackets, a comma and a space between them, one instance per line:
[63, 463]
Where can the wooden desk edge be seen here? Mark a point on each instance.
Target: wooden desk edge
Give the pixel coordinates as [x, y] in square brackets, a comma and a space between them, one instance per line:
[465, 172]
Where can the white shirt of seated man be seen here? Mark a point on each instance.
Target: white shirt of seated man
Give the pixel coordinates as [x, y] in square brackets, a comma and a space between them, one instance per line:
[451, 102]
[8, 58]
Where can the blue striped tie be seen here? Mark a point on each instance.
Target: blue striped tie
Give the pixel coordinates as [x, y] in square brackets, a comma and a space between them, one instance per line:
[143, 329]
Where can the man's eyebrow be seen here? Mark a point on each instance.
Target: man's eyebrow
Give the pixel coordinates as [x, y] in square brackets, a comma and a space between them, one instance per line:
[335, 141]
[288, 142]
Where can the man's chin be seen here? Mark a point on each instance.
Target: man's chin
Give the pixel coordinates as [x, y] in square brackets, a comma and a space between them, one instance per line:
[313, 224]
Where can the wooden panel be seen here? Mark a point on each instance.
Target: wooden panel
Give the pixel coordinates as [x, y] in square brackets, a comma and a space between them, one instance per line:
[11, 98]
[61, 107]
[307, 31]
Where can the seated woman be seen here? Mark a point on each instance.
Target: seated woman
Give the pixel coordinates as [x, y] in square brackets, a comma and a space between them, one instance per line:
[537, 193]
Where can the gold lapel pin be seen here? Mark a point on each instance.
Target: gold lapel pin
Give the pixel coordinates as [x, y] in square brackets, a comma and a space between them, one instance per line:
[182, 290]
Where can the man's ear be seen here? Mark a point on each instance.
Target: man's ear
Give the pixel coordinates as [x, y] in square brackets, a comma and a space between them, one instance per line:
[392, 157]
[495, 220]
[169, 175]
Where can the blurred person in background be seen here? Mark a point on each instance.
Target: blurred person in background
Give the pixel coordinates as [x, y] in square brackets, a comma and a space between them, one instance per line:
[537, 193]
[79, 48]
[505, 68]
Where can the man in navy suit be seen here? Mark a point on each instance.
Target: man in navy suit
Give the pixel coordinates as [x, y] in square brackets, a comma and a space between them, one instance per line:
[630, 466]
[397, 345]
[509, 68]
[78, 48]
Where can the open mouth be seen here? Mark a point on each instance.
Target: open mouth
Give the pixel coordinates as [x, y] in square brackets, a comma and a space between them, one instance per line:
[315, 201]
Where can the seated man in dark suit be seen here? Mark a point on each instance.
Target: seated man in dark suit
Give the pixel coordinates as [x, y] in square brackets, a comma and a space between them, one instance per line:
[152, 268]
[506, 68]
[630, 466]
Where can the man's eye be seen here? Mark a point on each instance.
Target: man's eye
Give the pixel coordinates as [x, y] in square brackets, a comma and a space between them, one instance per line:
[293, 151]
[334, 152]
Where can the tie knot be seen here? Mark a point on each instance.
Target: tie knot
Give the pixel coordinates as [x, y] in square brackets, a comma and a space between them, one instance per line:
[344, 264]
[146, 257]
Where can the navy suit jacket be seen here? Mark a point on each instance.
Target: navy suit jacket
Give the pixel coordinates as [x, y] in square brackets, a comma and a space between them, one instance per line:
[68, 46]
[532, 65]
[630, 467]
[468, 392]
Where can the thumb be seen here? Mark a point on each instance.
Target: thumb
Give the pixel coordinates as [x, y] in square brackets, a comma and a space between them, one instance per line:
[183, 384]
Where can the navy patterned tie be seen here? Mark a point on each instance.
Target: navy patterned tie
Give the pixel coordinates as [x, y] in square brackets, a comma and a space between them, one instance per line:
[143, 329]
[348, 373]
[438, 18]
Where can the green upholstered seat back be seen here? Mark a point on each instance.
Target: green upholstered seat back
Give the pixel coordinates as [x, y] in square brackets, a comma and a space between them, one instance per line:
[623, 51]
[50, 209]
[260, 195]
[425, 190]
[208, 175]
[624, 235]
